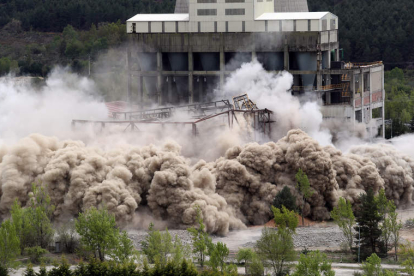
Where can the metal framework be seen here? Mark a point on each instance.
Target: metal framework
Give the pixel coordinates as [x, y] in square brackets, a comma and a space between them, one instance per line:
[260, 121]
[198, 110]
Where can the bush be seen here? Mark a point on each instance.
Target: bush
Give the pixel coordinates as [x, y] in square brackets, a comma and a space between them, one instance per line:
[35, 253]
[3, 270]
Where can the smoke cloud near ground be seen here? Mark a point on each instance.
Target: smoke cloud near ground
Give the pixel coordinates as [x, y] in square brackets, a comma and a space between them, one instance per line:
[162, 174]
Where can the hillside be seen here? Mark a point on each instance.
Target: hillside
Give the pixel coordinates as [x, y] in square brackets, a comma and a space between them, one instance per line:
[374, 29]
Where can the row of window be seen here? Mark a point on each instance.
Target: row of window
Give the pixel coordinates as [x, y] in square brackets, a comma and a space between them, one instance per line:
[209, 12]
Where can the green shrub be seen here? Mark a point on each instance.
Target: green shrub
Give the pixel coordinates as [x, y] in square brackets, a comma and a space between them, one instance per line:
[35, 253]
[3, 271]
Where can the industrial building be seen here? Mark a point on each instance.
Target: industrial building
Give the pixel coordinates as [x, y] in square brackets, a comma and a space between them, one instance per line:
[184, 57]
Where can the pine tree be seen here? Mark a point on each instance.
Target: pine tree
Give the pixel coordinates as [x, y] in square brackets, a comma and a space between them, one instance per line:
[368, 218]
[285, 198]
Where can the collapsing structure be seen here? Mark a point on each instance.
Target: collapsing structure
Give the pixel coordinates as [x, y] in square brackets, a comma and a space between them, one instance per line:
[182, 58]
[255, 120]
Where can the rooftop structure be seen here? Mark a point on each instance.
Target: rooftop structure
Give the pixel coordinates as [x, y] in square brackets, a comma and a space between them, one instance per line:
[181, 58]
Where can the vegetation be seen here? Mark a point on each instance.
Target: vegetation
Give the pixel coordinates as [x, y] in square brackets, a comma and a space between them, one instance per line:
[275, 247]
[399, 102]
[52, 16]
[160, 249]
[368, 218]
[98, 231]
[304, 189]
[201, 240]
[246, 255]
[9, 245]
[373, 30]
[313, 263]
[345, 219]
[372, 267]
[285, 198]
[32, 223]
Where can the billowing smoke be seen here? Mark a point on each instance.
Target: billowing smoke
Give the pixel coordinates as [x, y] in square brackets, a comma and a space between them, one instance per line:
[148, 173]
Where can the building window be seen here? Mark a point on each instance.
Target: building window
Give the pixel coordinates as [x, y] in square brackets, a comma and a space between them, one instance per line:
[134, 28]
[280, 26]
[163, 27]
[227, 26]
[266, 24]
[206, 1]
[199, 27]
[333, 24]
[206, 12]
[149, 27]
[235, 11]
[259, 0]
[309, 25]
[294, 25]
[269, 0]
[176, 26]
[234, 1]
[215, 26]
[243, 26]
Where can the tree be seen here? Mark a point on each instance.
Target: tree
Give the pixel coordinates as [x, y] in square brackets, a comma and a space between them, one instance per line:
[305, 190]
[285, 219]
[246, 255]
[395, 226]
[285, 198]
[123, 249]
[39, 214]
[32, 223]
[219, 253]
[313, 263]
[368, 219]
[160, 248]
[98, 231]
[276, 248]
[9, 244]
[407, 255]
[157, 246]
[201, 240]
[372, 266]
[345, 219]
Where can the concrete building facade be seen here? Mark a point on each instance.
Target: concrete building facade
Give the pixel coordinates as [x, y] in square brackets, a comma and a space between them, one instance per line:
[185, 57]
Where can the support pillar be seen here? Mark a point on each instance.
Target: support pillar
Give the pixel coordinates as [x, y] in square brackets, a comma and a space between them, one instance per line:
[190, 76]
[286, 55]
[159, 77]
[319, 71]
[141, 91]
[222, 64]
[128, 60]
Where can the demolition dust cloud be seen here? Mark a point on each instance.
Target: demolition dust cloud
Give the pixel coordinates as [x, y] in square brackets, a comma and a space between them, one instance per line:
[145, 176]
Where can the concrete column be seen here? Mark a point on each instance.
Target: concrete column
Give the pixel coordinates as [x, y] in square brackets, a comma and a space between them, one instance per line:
[328, 98]
[222, 63]
[286, 55]
[141, 91]
[128, 60]
[361, 85]
[159, 77]
[319, 70]
[254, 56]
[170, 95]
[190, 76]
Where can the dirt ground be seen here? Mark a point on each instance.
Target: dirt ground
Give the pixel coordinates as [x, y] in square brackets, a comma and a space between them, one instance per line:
[405, 214]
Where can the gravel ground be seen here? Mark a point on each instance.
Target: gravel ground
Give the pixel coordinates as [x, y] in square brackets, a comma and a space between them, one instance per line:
[310, 237]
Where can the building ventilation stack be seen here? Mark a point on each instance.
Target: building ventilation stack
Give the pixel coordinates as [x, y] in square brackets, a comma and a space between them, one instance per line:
[181, 6]
[290, 6]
